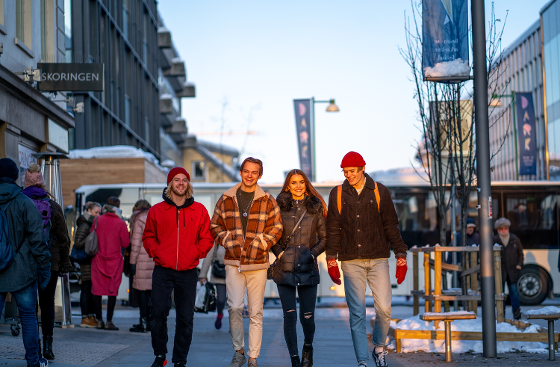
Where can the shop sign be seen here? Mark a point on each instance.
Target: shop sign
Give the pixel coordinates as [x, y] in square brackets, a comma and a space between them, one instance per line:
[305, 139]
[58, 136]
[526, 133]
[71, 77]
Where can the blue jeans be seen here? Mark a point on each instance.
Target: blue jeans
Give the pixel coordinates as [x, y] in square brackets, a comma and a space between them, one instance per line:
[513, 295]
[374, 272]
[26, 300]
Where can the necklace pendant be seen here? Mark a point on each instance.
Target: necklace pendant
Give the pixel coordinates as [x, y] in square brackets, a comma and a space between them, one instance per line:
[245, 214]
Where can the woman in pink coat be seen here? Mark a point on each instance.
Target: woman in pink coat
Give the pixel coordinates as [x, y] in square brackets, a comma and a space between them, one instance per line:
[107, 265]
[141, 265]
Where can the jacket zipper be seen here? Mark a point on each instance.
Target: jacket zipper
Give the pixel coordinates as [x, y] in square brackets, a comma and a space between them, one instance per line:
[177, 261]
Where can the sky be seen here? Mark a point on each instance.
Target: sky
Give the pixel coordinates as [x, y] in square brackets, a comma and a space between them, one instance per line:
[250, 58]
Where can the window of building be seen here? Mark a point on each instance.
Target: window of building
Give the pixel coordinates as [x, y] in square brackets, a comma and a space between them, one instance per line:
[2, 17]
[199, 170]
[126, 6]
[147, 130]
[145, 38]
[127, 110]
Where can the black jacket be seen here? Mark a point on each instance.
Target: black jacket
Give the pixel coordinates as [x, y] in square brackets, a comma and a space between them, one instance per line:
[360, 231]
[84, 227]
[512, 255]
[297, 267]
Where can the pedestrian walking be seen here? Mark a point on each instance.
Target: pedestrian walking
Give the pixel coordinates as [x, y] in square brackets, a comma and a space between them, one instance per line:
[141, 264]
[176, 236]
[107, 265]
[84, 223]
[303, 240]
[512, 262]
[55, 234]
[362, 226]
[215, 261]
[247, 223]
[28, 266]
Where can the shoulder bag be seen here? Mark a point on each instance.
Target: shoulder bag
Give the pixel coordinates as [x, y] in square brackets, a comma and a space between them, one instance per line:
[270, 270]
[218, 270]
[91, 243]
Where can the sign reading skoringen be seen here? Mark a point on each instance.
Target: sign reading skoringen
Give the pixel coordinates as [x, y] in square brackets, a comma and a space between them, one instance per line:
[71, 77]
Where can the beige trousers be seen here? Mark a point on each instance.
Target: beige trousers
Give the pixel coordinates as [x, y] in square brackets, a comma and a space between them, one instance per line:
[254, 282]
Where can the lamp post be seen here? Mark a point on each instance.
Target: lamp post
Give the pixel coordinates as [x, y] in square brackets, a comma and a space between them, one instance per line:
[330, 108]
[499, 104]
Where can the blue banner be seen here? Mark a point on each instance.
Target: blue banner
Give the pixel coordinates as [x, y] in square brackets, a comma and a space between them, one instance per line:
[304, 130]
[526, 133]
[445, 41]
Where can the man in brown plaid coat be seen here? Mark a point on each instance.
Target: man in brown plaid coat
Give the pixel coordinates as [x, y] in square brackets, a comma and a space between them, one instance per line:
[247, 223]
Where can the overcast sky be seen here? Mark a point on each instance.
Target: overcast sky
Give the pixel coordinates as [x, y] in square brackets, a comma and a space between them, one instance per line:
[249, 59]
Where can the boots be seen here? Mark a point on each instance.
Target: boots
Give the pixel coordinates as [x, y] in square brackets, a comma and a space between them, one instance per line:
[517, 314]
[141, 327]
[47, 347]
[307, 356]
[295, 361]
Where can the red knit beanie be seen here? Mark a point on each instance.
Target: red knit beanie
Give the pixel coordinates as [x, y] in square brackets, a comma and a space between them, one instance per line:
[175, 171]
[352, 159]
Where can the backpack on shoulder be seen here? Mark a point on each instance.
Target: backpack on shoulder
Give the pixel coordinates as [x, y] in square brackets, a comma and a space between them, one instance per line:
[44, 208]
[339, 197]
[7, 252]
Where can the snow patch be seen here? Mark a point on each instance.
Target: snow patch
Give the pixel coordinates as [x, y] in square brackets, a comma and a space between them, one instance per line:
[115, 151]
[548, 310]
[457, 67]
[462, 346]
[453, 313]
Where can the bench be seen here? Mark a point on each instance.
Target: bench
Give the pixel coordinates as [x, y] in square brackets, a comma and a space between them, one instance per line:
[447, 318]
[551, 342]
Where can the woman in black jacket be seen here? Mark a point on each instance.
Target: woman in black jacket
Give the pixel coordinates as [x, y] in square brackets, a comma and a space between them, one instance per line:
[296, 265]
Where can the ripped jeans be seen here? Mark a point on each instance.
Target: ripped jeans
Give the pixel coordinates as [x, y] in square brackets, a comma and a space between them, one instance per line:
[307, 297]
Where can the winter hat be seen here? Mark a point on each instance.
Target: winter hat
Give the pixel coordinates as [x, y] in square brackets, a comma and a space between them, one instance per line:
[33, 176]
[470, 223]
[8, 169]
[502, 222]
[175, 171]
[352, 159]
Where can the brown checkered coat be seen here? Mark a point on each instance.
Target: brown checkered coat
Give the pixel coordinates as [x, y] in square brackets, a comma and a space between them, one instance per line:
[264, 229]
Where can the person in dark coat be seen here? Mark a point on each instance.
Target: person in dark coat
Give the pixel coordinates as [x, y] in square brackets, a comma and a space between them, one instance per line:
[296, 266]
[84, 224]
[473, 238]
[31, 267]
[59, 242]
[512, 262]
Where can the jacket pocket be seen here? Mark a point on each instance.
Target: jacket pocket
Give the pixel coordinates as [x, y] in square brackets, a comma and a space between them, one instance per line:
[306, 263]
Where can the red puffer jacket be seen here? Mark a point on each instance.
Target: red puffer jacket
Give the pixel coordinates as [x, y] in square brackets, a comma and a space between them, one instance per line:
[177, 237]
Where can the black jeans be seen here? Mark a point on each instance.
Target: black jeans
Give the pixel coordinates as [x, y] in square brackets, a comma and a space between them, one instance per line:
[221, 298]
[307, 297]
[111, 302]
[144, 300]
[183, 283]
[86, 299]
[46, 303]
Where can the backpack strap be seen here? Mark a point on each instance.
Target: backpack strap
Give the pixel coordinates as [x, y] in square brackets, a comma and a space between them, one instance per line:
[339, 197]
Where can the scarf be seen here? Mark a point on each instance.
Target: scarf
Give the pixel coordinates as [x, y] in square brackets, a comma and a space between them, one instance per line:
[112, 209]
[134, 217]
[505, 239]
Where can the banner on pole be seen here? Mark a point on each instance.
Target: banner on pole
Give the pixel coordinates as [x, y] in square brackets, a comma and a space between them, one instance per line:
[304, 130]
[445, 41]
[526, 133]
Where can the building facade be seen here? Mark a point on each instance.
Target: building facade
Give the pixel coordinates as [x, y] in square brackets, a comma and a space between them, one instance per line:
[144, 77]
[30, 121]
[519, 71]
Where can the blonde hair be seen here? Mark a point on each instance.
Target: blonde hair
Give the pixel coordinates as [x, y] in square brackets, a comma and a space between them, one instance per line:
[188, 194]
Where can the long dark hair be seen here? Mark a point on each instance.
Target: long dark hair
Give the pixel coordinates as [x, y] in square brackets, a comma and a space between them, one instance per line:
[309, 189]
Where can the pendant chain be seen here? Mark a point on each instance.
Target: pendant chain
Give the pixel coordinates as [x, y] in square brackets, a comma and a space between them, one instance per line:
[248, 207]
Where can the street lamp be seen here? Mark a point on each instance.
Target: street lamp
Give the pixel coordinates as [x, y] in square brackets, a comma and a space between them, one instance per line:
[495, 102]
[332, 107]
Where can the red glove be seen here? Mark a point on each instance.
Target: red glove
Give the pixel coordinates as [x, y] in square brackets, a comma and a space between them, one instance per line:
[401, 269]
[334, 273]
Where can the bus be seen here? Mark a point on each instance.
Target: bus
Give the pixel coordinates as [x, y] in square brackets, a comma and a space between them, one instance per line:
[531, 206]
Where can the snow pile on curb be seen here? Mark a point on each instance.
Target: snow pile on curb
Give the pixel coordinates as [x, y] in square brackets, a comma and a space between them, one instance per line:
[462, 346]
[457, 67]
[548, 310]
[115, 151]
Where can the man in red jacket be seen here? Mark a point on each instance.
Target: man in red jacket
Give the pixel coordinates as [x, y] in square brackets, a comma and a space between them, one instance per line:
[176, 236]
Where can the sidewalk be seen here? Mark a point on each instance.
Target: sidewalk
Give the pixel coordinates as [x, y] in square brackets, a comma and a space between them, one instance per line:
[210, 347]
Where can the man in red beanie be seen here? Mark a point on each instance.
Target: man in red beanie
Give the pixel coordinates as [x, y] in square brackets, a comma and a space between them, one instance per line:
[176, 236]
[362, 225]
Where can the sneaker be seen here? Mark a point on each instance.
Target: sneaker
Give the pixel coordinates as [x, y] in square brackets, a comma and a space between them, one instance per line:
[252, 363]
[238, 360]
[88, 321]
[100, 324]
[110, 326]
[362, 364]
[42, 363]
[379, 358]
[218, 323]
[160, 361]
